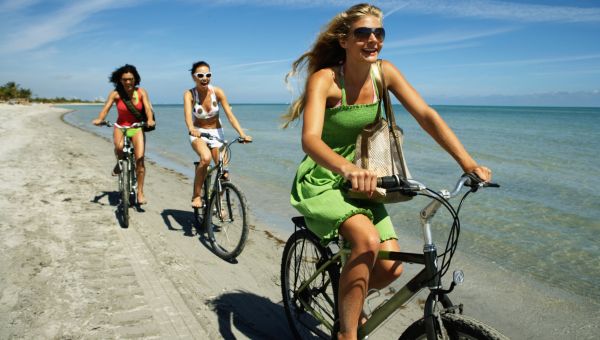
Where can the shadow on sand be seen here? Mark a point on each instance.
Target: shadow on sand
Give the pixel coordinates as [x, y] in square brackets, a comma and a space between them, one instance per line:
[254, 316]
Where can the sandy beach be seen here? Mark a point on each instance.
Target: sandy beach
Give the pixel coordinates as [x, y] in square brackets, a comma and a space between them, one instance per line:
[68, 269]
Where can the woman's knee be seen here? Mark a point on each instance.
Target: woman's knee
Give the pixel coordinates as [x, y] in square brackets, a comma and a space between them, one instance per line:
[361, 233]
[204, 161]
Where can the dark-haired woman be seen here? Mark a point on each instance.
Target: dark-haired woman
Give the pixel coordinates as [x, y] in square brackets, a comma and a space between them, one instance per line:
[201, 110]
[126, 80]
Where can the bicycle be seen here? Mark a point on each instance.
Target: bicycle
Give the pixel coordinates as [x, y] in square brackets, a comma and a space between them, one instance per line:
[310, 276]
[224, 216]
[127, 179]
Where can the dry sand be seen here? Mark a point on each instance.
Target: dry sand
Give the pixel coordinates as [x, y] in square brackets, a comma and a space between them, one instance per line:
[68, 270]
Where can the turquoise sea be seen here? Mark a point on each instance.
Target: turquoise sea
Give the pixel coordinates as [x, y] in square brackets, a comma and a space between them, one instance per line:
[543, 222]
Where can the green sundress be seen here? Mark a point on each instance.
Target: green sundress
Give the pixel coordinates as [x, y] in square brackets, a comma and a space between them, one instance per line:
[316, 192]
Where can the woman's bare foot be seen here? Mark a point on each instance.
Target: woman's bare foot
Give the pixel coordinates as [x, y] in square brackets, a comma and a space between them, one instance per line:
[197, 202]
[141, 199]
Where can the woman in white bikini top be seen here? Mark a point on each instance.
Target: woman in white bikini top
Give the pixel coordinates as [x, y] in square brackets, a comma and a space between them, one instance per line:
[198, 109]
[201, 109]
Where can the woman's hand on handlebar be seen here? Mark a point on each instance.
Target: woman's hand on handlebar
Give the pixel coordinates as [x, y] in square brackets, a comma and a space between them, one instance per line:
[194, 132]
[362, 180]
[150, 123]
[98, 121]
[246, 139]
[483, 172]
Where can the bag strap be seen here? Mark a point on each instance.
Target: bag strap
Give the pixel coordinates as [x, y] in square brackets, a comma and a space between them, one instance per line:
[384, 94]
[391, 118]
[127, 101]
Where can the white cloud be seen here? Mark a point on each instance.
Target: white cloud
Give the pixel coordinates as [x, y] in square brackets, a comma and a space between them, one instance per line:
[36, 32]
[509, 11]
[445, 37]
[483, 9]
[257, 63]
[534, 61]
[16, 5]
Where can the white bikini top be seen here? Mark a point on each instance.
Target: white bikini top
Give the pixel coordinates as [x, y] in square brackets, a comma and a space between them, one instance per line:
[198, 110]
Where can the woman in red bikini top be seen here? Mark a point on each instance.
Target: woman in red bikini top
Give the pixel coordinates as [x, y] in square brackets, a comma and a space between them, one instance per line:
[126, 79]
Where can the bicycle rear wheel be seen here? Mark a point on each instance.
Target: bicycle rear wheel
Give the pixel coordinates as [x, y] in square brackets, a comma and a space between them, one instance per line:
[125, 190]
[458, 327]
[313, 311]
[228, 227]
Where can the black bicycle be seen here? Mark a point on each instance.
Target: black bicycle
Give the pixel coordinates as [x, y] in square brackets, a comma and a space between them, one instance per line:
[310, 277]
[127, 178]
[224, 216]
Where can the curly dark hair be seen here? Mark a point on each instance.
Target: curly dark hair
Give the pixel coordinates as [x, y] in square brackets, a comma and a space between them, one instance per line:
[198, 64]
[115, 78]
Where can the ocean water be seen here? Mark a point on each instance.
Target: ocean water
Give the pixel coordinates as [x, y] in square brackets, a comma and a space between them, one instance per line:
[544, 221]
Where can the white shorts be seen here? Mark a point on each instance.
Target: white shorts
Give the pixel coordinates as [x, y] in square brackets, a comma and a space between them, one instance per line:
[212, 143]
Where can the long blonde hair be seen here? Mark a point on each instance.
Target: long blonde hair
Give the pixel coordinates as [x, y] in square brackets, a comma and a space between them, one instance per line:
[326, 51]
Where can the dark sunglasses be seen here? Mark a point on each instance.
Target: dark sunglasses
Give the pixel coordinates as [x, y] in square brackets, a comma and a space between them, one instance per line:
[363, 33]
[202, 75]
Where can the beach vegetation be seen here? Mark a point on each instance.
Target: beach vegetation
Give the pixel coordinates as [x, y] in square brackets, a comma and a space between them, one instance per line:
[13, 93]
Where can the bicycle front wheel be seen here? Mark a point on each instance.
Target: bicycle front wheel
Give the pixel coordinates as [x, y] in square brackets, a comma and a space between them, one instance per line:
[125, 190]
[312, 311]
[458, 327]
[228, 227]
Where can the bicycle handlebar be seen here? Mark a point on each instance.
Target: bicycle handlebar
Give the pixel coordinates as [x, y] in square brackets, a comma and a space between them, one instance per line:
[209, 136]
[411, 187]
[132, 126]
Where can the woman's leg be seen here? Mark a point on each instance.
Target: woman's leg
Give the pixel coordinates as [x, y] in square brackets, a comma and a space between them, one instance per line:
[139, 144]
[205, 156]
[360, 232]
[118, 150]
[385, 271]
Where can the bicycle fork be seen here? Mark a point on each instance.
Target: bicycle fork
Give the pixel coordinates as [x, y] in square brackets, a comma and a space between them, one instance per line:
[433, 314]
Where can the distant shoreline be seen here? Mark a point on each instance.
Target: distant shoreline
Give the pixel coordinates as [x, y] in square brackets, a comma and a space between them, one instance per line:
[398, 104]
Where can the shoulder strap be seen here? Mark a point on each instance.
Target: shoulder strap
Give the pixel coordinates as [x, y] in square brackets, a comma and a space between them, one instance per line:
[127, 101]
[384, 94]
[343, 86]
[194, 94]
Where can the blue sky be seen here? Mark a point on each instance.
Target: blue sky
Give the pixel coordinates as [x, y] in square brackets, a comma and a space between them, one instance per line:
[453, 52]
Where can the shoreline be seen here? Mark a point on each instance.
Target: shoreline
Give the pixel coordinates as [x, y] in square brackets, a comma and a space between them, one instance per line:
[503, 299]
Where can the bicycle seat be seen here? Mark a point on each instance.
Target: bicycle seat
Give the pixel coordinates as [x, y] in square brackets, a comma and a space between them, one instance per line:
[299, 221]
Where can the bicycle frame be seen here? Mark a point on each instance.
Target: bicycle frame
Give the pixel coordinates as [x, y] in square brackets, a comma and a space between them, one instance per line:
[428, 277]
[128, 160]
[208, 189]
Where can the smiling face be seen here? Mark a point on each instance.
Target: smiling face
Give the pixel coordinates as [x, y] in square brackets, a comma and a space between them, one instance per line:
[360, 47]
[202, 76]
[128, 81]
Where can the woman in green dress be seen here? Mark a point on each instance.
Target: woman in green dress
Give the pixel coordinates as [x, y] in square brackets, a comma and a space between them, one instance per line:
[339, 99]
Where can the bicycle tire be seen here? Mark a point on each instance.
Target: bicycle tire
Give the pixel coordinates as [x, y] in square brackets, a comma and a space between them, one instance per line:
[125, 190]
[133, 181]
[302, 256]
[458, 327]
[228, 216]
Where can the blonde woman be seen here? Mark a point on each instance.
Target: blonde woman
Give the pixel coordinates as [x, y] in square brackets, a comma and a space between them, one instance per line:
[201, 109]
[339, 99]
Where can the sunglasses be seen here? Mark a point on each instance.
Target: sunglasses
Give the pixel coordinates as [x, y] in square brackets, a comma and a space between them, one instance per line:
[202, 75]
[363, 33]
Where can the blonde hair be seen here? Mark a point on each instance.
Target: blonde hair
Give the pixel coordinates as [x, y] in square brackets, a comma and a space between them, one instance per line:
[326, 51]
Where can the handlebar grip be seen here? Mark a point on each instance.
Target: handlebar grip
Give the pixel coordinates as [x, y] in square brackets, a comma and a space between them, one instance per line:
[473, 181]
[387, 182]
